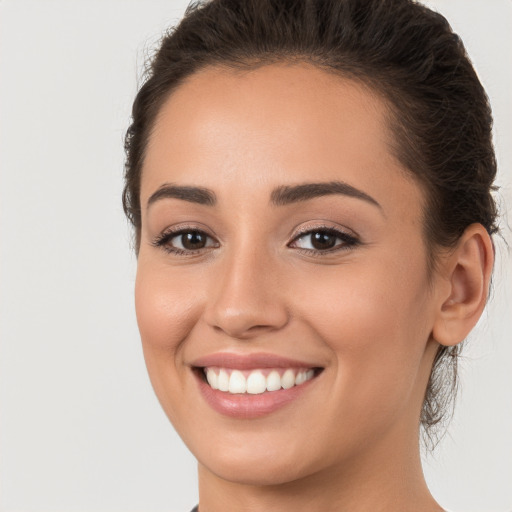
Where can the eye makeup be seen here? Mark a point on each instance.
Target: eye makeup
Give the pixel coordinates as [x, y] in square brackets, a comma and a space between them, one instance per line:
[317, 241]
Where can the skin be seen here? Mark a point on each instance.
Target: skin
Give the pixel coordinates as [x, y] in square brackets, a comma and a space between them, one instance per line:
[367, 313]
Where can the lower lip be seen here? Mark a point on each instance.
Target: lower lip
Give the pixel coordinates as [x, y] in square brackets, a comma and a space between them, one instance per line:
[247, 406]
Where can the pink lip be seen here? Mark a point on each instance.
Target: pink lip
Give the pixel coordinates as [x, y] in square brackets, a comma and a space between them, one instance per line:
[247, 406]
[249, 361]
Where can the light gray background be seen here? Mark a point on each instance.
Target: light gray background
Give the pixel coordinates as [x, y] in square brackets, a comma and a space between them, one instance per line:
[80, 428]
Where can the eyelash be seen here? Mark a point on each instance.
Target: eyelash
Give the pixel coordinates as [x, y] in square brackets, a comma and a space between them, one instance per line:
[348, 241]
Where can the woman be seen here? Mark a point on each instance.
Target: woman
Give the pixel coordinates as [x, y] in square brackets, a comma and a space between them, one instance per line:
[310, 187]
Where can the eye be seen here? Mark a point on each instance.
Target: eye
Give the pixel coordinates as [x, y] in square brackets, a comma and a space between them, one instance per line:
[322, 240]
[184, 241]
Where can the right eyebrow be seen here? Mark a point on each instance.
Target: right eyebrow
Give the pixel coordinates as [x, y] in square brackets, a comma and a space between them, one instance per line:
[197, 195]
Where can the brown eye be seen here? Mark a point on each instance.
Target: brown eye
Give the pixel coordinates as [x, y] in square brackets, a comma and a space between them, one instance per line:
[184, 241]
[324, 240]
[193, 240]
[321, 240]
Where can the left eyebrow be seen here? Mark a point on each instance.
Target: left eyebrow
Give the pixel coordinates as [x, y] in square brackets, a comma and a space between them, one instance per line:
[287, 194]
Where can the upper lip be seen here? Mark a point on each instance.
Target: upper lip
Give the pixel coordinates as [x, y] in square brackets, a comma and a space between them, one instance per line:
[249, 361]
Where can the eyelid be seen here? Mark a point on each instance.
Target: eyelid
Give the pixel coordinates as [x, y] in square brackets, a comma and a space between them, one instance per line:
[184, 227]
[323, 226]
[348, 237]
[161, 240]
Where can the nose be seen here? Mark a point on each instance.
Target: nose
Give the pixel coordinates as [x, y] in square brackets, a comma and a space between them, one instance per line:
[247, 298]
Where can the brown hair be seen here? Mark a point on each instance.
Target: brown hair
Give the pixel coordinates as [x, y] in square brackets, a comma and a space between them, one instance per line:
[439, 112]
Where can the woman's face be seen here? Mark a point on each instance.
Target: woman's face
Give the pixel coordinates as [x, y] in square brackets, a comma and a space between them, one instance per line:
[281, 240]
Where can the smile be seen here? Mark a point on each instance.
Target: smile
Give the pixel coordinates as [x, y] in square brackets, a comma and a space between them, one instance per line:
[257, 381]
[249, 386]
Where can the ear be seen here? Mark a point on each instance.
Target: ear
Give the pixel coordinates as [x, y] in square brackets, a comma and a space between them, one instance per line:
[466, 273]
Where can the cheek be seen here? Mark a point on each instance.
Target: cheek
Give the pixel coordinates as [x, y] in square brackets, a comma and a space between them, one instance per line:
[376, 321]
[165, 309]
[166, 313]
[365, 305]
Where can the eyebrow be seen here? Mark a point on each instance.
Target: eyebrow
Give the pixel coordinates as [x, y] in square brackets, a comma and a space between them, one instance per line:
[293, 194]
[280, 196]
[197, 195]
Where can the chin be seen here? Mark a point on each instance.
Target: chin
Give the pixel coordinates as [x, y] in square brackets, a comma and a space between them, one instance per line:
[260, 461]
[261, 472]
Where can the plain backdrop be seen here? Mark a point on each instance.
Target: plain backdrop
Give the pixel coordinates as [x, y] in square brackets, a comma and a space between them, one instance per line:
[80, 428]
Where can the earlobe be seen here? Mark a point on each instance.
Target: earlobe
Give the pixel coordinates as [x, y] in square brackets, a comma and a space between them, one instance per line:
[468, 272]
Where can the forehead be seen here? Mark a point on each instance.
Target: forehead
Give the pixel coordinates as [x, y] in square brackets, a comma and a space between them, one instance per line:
[273, 125]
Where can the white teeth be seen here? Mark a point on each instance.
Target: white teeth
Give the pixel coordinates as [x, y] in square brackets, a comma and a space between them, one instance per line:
[273, 381]
[237, 382]
[288, 379]
[212, 378]
[223, 380]
[255, 382]
[301, 377]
